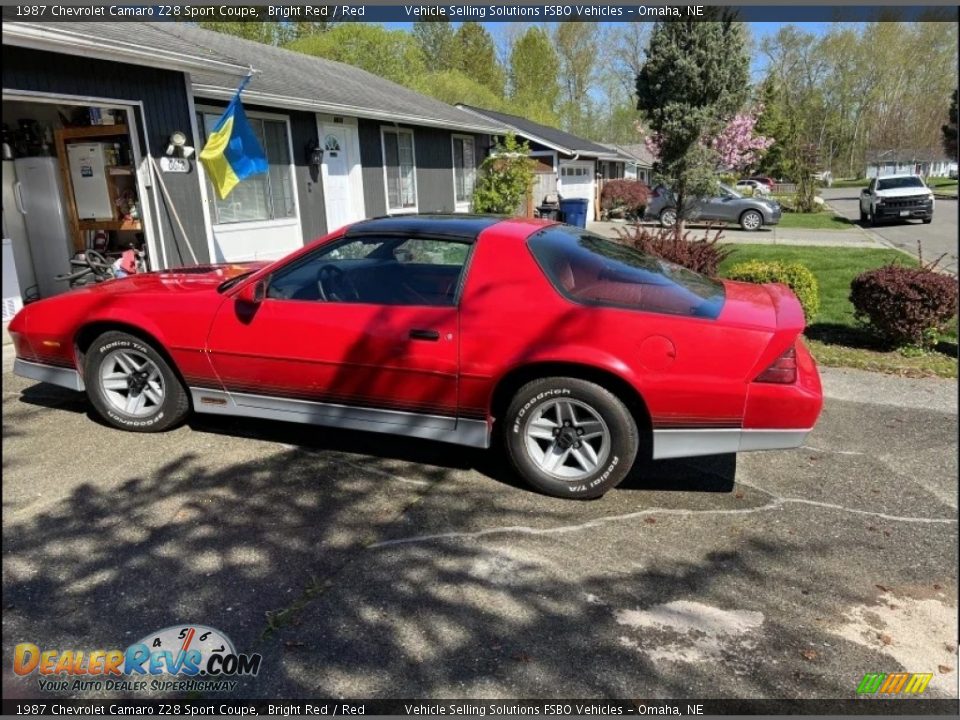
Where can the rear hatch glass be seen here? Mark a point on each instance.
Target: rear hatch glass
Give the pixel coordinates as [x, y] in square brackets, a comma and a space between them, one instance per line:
[593, 270]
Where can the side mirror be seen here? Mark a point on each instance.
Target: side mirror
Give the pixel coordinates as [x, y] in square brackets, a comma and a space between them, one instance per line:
[253, 293]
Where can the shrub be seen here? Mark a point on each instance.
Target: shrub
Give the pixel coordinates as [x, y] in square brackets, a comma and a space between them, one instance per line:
[794, 275]
[904, 305]
[627, 196]
[505, 179]
[701, 254]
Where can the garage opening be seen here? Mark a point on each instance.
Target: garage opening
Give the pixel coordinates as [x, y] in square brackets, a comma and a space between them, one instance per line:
[72, 196]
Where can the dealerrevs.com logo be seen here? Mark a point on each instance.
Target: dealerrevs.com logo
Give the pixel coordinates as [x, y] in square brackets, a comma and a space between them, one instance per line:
[177, 658]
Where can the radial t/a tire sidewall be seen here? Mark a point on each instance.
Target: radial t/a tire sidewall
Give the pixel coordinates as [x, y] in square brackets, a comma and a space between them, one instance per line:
[623, 430]
[175, 403]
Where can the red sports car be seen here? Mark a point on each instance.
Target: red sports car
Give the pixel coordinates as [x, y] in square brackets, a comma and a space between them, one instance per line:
[579, 351]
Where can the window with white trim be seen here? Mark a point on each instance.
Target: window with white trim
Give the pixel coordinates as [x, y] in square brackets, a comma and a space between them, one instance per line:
[267, 196]
[399, 169]
[464, 170]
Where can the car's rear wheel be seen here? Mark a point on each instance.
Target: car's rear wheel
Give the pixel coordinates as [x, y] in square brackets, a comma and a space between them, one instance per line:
[131, 385]
[751, 220]
[668, 218]
[569, 437]
[863, 217]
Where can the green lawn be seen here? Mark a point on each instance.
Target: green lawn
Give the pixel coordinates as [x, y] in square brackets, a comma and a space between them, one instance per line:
[834, 336]
[858, 182]
[825, 220]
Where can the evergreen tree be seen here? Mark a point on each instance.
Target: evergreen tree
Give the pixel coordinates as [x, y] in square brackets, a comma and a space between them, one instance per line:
[436, 39]
[695, 79]
[476, 56]
[534, 87]
[950, 130]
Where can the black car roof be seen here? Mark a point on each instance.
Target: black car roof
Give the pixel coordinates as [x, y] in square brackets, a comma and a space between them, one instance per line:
[465, 227]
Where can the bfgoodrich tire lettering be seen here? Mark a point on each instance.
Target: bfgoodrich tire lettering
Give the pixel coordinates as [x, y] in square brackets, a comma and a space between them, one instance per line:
[569, 437]
[131, 386]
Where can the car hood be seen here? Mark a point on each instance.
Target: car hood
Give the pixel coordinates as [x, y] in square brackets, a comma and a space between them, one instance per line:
[183, 279]
[904, 192]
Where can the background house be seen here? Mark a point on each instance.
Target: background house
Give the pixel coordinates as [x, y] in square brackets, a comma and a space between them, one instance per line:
[566, 164]
[342, 145]
[640, 163]
[926, 163]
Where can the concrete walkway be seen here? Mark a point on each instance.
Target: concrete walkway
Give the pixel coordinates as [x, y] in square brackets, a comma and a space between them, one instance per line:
[854, 237]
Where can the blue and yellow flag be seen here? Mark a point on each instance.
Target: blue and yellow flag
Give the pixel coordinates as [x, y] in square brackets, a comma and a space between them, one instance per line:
[232, 152]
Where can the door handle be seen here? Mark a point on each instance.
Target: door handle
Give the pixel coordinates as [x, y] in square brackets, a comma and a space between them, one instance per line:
[18, 197]
[419, 334]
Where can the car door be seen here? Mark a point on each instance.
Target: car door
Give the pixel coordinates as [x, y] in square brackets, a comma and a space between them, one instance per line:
[716, 208]
[365, 322]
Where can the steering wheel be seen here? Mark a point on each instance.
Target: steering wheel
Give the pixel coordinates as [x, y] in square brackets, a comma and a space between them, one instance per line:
[101, 267]
[335, 286]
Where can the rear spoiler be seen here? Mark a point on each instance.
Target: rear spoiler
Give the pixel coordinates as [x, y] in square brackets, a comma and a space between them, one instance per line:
[790, 323]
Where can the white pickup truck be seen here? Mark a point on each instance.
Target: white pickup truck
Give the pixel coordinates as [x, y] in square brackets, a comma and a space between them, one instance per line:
[896, 197]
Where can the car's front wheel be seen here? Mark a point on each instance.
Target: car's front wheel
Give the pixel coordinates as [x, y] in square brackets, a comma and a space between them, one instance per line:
[668, 218]
[569, 437]
[131, 385]
[751, 220]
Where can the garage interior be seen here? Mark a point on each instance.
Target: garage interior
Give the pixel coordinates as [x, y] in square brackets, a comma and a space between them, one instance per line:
[69, 186]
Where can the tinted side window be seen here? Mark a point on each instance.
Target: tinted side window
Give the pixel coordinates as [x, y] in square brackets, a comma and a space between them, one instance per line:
[376, 270]
[590, 269]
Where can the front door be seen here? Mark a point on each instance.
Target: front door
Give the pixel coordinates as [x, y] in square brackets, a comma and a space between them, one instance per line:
[340, 170]
[367, 323]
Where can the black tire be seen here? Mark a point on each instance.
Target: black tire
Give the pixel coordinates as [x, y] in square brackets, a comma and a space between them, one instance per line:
[863, 217]
[614, 462]
[170, 411]
[927, 221]
[747, 224]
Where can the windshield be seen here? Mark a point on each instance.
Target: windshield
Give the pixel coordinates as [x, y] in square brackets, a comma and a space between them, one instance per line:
[592, 270]
[900, 182]
[727, 190]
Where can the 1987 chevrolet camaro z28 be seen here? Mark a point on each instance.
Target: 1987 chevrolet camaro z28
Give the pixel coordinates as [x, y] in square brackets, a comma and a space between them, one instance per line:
[579, 351]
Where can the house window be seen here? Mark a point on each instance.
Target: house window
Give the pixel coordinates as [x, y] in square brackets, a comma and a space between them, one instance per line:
[399, 170]
[464, 170]
[267, 196]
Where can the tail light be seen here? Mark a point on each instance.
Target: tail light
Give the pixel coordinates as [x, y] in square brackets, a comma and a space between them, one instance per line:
[783, 370]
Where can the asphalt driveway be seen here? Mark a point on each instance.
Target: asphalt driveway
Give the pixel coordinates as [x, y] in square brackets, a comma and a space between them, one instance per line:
[361, 565]
[937, 239]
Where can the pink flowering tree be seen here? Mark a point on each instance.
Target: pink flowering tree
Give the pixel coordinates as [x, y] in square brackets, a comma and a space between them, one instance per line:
[738, 146]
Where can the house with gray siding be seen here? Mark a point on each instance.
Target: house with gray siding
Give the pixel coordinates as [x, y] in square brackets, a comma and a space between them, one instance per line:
[342, 144]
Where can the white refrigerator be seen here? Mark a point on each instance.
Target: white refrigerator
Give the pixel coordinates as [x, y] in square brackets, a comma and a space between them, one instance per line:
[15, 231]
[38, 197]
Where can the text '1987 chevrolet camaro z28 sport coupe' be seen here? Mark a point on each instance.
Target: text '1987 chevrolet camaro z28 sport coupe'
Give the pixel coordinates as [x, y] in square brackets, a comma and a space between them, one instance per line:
[579, 351]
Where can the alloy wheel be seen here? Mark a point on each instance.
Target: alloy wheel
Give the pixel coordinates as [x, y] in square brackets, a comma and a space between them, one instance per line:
[567, 439]
[131, 382]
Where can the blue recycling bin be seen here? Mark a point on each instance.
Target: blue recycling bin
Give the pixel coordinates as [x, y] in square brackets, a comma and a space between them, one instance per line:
[575, 211]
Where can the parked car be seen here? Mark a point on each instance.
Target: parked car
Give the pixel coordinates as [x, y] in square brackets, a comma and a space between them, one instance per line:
[768, 181]
[896, 197]
[751, 213]
[755, 187]
[409, 325]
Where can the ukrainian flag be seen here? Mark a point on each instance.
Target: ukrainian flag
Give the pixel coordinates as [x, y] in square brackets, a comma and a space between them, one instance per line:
[232, 152]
